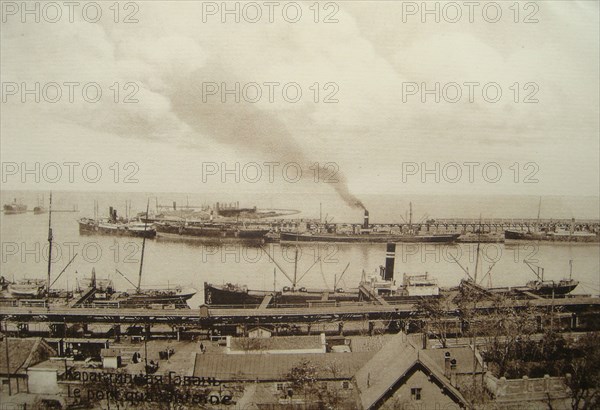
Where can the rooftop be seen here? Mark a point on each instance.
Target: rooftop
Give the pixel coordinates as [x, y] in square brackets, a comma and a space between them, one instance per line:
[266, 367]
[23, 353]
[394, 362]
[276, 343]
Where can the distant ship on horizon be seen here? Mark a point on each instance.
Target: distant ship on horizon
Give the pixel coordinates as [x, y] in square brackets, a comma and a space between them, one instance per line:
[15, 208]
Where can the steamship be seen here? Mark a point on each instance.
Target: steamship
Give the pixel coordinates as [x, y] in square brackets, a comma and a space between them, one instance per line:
[233, 294]
[115, 226]
[375, 288]
[102, 292]
[210, 230]
[15, 208]
[366, 234]
[554, 236]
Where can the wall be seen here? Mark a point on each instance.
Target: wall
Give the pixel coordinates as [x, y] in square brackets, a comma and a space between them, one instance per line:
[42, 381]
[432, 396]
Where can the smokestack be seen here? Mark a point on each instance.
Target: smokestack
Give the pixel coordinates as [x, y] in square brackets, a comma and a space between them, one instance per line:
[110, 212]
[447, 364]
[572, 226]
[174, 205]
[390, 256]
[366, 220]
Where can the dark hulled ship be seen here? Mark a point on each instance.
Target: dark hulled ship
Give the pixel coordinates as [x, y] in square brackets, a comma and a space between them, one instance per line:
[15, 208]
[552, 236]
[366, 234]
[210, 230]
[231, 294]
[115, 226]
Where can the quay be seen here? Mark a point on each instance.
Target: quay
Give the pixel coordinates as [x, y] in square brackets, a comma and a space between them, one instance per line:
[207, 317]
[447, 225]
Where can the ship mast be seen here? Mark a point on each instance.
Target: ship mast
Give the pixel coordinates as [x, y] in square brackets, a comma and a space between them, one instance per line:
[49, 245]
[537, 224]
[295, 268]
[477, 254]
[139, 284]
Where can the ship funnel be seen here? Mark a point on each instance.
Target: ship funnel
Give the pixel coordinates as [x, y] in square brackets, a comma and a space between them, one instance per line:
[390, 258]
[366, 220]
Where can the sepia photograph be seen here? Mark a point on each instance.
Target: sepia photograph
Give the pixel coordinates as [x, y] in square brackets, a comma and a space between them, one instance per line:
[300, 205]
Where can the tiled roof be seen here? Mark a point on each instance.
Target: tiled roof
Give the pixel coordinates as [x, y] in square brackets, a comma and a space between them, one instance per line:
[23, 353]
[265, 367]
[385, 368]
[277, 343]
[463, 356]
[391, 363]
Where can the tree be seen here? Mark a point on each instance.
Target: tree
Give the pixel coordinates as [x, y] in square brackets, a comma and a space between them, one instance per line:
[435, 312]
[584, 380]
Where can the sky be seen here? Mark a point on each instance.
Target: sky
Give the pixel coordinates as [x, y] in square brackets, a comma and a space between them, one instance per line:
[366, 121]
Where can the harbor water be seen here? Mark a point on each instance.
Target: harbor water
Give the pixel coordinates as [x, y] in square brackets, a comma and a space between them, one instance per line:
[186, 263]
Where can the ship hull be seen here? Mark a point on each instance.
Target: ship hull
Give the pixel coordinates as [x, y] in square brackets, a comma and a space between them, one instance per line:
[550, 237]
[144, 300]
[15, 209]
[548, 289]
[39, 210]
[210, 232]
[217, 295]
[368, 238]
[91, 228]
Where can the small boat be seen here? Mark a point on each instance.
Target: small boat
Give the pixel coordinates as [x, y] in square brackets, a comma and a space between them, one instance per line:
[15, 208]
[549, 287]
[39, 210]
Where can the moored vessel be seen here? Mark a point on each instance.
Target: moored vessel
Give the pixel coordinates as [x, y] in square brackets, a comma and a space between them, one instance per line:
[115, 226]
[15, 208]
[367, 234]
[210, 230]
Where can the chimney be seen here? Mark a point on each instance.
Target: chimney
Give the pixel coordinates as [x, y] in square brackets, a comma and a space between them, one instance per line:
[110, 212]
[424, 340]
[453, 372]
[390, 256]
[366, 220]
[447, 364]
[572, 226]
[174, 205]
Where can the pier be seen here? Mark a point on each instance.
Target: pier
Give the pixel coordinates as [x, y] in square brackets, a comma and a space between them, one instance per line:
[207, 317]
[450, 225]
